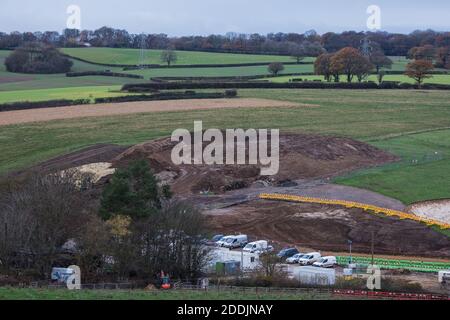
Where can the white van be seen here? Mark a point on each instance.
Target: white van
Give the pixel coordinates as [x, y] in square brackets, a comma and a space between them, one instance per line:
[258, 247]
[222, 241]
[326, 262]
[233, 242]
[309, 258]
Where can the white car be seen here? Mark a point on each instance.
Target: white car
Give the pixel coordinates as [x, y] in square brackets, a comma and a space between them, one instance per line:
[326, 262]
[294, 258]
[309, 258]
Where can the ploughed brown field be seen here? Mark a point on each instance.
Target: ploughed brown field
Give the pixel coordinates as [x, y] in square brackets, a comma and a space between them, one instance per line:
[111, 109]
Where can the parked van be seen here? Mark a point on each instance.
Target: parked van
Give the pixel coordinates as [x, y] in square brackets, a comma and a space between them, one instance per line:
[258, 247]
[222, 241]
[326, 262]
[309, 258]
[233, 242]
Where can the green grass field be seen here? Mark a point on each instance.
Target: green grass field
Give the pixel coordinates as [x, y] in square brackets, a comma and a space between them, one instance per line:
[438, 79]
[60, 294]
[385, 118]
[14, 82]
[421, 174]
[131, 56]
[219, 72]
[70, 93]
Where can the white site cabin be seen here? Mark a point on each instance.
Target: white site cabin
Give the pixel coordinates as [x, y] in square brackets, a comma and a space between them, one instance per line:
[249, 261]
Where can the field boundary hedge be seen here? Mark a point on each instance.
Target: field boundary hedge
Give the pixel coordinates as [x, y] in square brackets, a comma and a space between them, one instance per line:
[26, 105]
[103, 73]
[228, 78]
[166, 96]
[149, 86]
[143, 87]
[41, 104]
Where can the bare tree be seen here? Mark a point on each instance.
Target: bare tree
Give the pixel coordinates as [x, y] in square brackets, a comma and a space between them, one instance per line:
[171, 241]
[169, 56]
[298, 52]
[38, 217]
[275, 68]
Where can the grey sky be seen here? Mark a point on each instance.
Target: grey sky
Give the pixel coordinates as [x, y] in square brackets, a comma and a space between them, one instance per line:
[185, 17]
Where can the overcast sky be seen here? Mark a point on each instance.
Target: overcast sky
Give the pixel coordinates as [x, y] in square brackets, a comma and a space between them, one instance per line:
[200, 17]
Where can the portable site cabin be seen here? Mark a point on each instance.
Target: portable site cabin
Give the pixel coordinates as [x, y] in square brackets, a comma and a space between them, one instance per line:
[315, 276]
[246, 260]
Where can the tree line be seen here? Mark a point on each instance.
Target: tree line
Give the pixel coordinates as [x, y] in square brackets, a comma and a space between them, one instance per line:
[392, 44]
[129, 228]
[351, 63]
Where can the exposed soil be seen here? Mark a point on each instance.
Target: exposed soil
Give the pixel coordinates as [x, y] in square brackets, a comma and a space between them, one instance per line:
[110, 109]
[437, 210]
[301, 157]
[329, 228]
[94, 154]
[306, 163]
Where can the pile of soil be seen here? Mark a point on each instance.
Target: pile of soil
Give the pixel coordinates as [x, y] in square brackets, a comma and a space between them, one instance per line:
[328, 228]
[302, 156]
[94, 154]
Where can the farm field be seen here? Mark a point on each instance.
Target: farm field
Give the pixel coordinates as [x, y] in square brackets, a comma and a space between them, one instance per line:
[16, 81]
[420, 176]
[387, 119]
[71, 93]
[13, 81]
[131, 56]
[220, 72]
[437, 78]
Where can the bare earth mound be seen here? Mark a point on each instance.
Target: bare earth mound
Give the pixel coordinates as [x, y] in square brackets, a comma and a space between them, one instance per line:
[301, 157]
[437, 210]
[93, 154]
[111, 109]
[328, 228]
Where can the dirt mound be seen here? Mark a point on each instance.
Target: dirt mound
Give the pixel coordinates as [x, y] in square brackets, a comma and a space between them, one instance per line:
[329, 228]
[301, 157]
[94, 154]
[437, 210]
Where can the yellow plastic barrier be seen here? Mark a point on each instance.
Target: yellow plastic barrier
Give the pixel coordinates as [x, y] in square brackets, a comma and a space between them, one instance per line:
[350, 204]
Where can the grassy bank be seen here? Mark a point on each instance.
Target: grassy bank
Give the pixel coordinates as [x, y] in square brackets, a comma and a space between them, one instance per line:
[46, 294]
